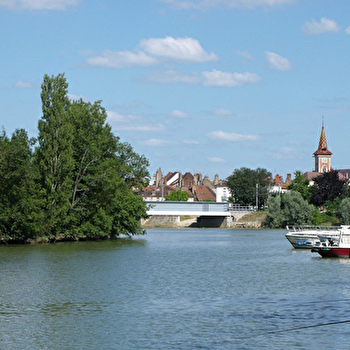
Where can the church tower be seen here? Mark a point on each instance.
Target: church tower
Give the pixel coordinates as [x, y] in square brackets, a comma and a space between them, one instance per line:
[323, 155]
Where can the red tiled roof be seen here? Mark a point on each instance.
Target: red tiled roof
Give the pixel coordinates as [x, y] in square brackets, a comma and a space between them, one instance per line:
[202, 193]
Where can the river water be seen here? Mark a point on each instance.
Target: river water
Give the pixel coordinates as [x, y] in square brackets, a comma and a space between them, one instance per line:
[174, 289]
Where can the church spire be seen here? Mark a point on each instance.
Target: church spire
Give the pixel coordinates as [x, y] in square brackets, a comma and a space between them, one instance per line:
[323, 155]
[322, 145]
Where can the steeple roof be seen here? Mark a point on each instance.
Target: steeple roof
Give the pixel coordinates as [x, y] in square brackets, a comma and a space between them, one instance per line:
[322, 145]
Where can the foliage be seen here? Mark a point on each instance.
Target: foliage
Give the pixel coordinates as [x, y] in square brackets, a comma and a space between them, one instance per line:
[246, 185]
[177, 196]
[344, 211]
[19, 206]
[327, 187]
[79, 182]
[288, 209]
[301, 185]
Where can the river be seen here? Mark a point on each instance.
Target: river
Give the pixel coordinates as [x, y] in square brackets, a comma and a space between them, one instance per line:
[174, 289]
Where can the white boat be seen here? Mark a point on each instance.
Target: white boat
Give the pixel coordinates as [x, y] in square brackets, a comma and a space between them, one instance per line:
[337, 249]
[308, 237]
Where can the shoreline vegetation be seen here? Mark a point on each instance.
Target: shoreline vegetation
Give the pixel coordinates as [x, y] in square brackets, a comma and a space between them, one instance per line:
[75, 181]
[249, 221]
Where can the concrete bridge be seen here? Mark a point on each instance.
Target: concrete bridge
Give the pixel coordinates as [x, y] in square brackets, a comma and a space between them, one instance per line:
[208, 213]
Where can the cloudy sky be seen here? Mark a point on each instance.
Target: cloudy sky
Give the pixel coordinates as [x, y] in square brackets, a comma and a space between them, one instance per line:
[195, 85]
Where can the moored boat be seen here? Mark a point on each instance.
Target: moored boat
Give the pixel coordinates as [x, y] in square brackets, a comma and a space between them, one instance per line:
[308, 237]
[337, 249]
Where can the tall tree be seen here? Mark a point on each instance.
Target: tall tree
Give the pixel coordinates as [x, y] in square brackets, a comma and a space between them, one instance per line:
[249, 185]
[54, 154]
[105, 173]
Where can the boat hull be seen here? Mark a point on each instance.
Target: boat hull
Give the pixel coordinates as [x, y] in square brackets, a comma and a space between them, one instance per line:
[302, 242]
[333, 252]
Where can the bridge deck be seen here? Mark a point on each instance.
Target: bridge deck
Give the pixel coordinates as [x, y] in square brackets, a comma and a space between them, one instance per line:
[193, 208]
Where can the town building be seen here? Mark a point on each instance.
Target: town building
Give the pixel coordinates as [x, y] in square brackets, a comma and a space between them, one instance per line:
[198, 188]
[278, 186]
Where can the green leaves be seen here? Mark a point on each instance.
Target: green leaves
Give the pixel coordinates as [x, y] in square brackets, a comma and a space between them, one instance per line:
[247, 185]
[289, 209]
[81, 180]
[178, 196]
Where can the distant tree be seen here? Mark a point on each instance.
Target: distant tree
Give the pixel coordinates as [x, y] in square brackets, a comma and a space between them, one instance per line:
[274, 216]
[289, 209]
[301, 185]
[344, 211]
[177, 196]
[327, 187]
[246, 185]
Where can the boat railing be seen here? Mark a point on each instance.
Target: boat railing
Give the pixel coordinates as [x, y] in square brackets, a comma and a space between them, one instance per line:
[300, 228]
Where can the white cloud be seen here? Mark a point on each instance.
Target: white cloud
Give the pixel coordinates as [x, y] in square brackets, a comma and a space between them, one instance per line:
[177, 49]
[121, 118]
[122, 59]
[38, 4]
[206, 4]
[216, 160]
[277, 62]
[225, 136]
[218, 78]
[143, 128]
[245, 54]
[222, 112]
[213, 78]
[173, 77]
[347, 30]
[179, 114]
[156, 142]
[131, 122]
[325, 25]
[153, 51]
[191, 142]
[23, 85]
[285, 153]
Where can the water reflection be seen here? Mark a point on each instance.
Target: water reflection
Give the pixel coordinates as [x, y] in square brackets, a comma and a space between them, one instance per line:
[173, 289]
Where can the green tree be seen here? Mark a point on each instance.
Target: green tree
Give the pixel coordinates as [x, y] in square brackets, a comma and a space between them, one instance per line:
[54, 154]
[301, 185]
[177, 196]
[80, 183]
[344, 211]
[289, 209]
[106, 173]
[246, 185]
[327, 187]
[19, 205]
[274, 216]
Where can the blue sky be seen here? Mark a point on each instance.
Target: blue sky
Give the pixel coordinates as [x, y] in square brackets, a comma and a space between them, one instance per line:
[198, 85]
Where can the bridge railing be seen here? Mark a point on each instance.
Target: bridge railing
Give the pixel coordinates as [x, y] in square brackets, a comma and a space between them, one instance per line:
[199, 207]
[188, 206]
[236, 208]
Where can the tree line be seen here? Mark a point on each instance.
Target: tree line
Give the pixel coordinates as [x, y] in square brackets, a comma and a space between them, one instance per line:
[76, 180]
[325, 201]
